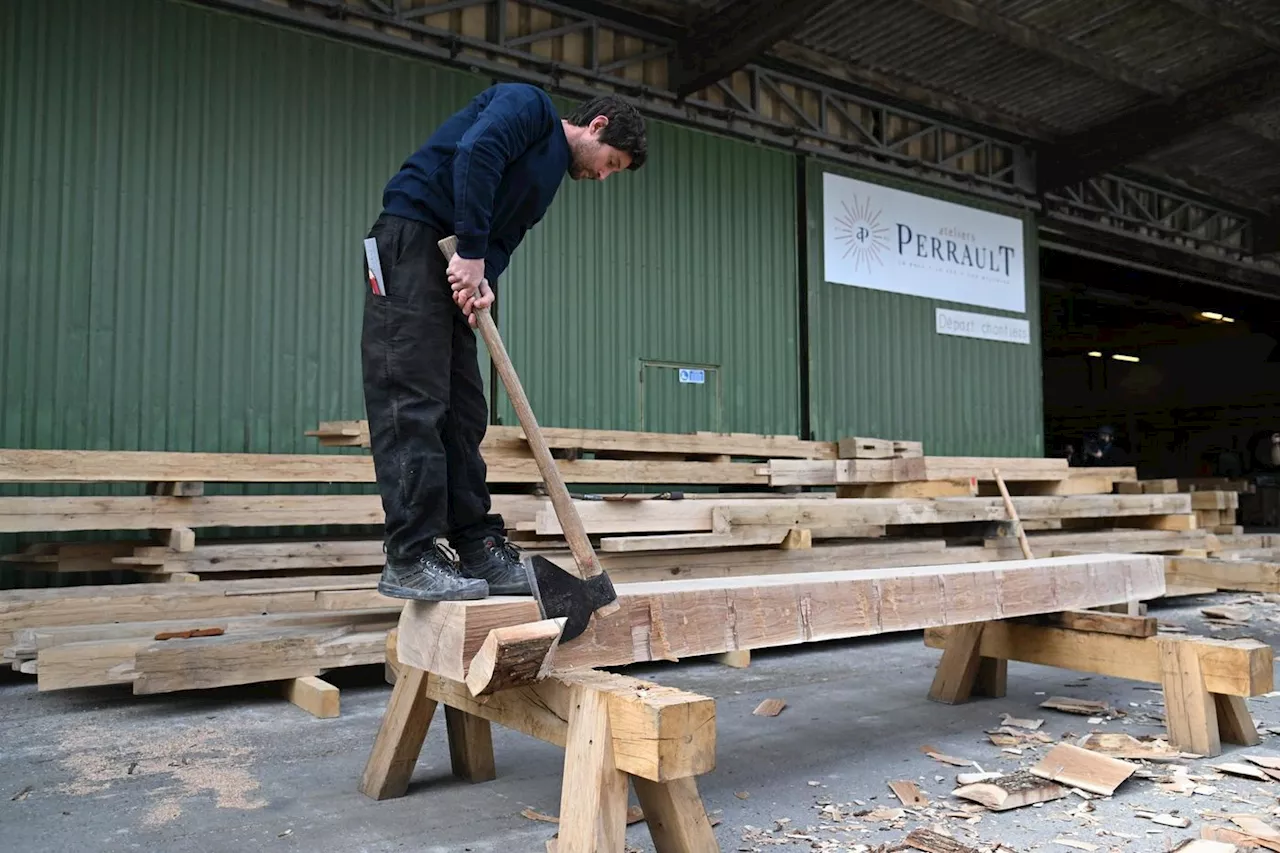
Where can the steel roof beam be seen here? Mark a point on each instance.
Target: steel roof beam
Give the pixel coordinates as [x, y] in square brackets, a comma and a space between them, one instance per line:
[726, 39]
[1039, 41]
[1155, 125]
[1229, 19]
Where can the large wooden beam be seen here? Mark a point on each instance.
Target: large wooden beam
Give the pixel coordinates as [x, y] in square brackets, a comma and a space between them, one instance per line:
[90, 605]
[843, 513]
[30, 515]
[1239, 575]
[1155, 125]
[511, 439]
[130, 466]
[675, 619]
[723, 40]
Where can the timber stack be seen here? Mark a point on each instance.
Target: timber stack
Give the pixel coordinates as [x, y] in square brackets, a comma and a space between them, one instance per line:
[239, 610]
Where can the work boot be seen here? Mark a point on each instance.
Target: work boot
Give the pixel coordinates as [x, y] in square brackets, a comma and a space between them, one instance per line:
[434, 576]
[497, 561]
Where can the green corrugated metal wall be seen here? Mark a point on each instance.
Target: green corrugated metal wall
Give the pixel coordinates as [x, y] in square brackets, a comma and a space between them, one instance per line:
[878, 368]
[182, 198]
[690, 260]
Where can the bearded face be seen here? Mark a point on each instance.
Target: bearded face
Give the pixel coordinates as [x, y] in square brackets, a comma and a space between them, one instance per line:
[593, 160]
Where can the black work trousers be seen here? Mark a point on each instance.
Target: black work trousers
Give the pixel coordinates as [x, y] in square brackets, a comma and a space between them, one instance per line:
[424, 398]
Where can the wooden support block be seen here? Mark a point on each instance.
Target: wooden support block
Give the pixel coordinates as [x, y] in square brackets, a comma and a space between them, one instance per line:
[400, 737]
[1160, 487]
[797, 538]
[179, 539]
[738, 659]
[953, 681]
[470, 746]
[314, 695]
[515, 655]
[1123, 624]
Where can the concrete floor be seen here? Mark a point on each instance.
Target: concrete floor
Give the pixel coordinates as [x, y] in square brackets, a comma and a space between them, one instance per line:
[240, 769]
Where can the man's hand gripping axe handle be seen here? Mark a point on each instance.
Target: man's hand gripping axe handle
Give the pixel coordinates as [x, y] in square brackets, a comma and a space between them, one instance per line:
[574, 531]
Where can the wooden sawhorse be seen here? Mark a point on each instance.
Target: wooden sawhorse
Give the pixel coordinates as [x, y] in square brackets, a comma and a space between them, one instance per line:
[614, 729]
[1205, 680]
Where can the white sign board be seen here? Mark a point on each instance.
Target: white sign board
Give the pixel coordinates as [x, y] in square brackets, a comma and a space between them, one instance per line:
[887, 239]
[985, 326]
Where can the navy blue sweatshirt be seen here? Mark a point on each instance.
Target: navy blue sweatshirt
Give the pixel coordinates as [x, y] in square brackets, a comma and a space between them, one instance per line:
[487, 174]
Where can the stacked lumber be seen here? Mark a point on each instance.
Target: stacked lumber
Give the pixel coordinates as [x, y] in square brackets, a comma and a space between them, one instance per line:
[1215, 501]
[195, 636]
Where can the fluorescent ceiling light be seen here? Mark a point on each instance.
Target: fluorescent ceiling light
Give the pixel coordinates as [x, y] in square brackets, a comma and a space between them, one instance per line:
[1119, 357]
[1095, 353]
[1211, 315]
[1228, 320]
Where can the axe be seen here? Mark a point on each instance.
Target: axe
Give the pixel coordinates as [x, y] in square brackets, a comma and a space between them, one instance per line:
[558, 593]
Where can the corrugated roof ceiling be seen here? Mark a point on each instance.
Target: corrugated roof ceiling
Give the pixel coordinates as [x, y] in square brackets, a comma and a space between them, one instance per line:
[1054, 68]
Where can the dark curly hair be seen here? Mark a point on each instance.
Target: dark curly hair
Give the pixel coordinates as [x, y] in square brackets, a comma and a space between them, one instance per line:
[625, 130]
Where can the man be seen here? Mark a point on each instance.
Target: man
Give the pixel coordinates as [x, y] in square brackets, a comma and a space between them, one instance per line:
[487, 175]
[1104, 453]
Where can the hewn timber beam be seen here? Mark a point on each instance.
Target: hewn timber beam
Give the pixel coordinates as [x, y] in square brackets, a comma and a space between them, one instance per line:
[1128, 137]
[669, 620]
[722, 41]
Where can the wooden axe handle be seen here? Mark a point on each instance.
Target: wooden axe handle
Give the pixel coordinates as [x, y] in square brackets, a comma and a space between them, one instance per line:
[574, 531]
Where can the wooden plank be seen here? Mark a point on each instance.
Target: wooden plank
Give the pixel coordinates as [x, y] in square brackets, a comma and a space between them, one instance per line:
[1242, 575]
[916, 489]
[1105, 541]
[356, 433]
[840, 514]
[1230, 667]
[740, 538]
[27, 642]
[221, 661]
[1215, 500]
[88, 605]
[1011, 468]
[142, 466]
[638, 566]
[42, 514]
[1099, 622]
[777, 610]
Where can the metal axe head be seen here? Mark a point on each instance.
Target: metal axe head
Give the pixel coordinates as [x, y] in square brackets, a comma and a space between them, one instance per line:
[562, 595]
